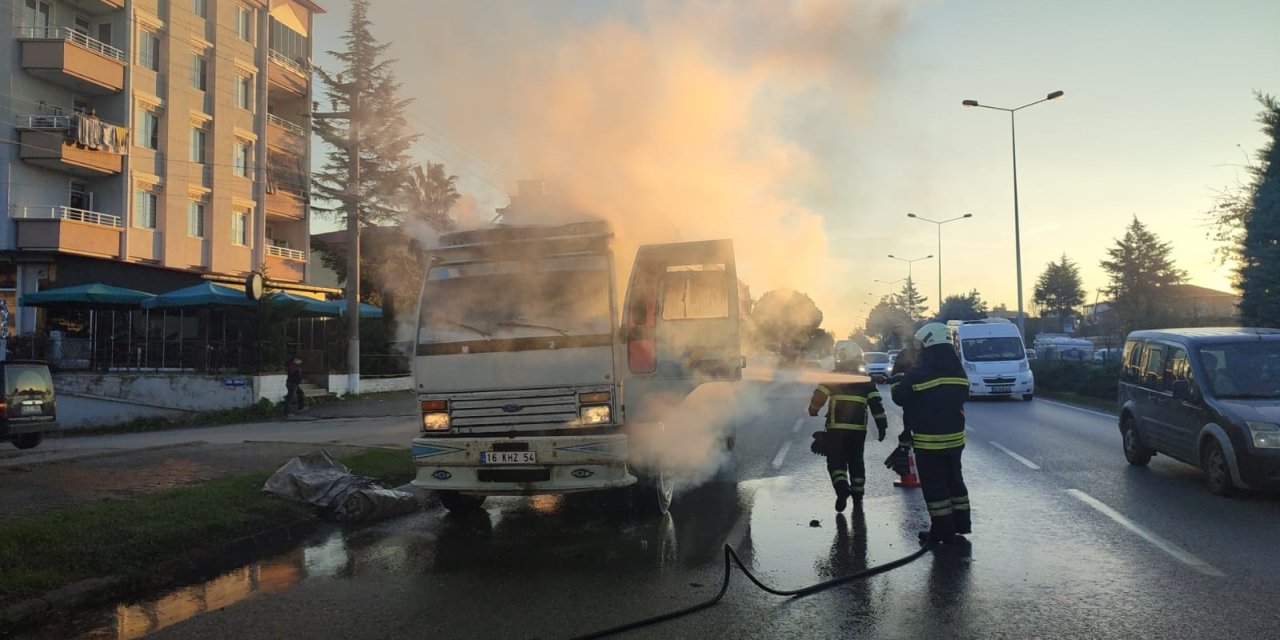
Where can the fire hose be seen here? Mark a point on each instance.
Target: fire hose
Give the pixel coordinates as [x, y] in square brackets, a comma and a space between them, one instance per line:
[731, 558]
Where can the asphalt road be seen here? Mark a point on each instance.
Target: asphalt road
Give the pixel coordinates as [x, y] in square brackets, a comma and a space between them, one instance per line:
[1069, 542]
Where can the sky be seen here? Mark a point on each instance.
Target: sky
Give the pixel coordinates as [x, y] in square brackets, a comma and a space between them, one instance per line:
[806, 130]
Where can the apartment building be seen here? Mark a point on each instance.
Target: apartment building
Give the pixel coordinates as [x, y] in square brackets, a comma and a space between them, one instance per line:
[151, 144]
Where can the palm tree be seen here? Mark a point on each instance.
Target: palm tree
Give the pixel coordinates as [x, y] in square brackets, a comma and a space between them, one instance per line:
[431, 194]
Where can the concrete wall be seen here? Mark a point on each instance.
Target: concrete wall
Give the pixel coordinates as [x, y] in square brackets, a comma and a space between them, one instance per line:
[338, 384]
[181, 392]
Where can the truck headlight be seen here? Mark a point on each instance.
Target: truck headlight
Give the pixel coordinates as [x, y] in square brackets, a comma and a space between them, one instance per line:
[1023, 366]
[862, 368]
[1265, 435]
[970, 367]
[435, 421]
[595, 414]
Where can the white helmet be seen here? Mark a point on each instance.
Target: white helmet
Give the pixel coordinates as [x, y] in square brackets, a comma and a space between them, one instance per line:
[933, 333]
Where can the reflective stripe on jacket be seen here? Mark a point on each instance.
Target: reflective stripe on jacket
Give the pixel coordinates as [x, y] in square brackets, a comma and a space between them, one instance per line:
[848, 404]
[933, 393]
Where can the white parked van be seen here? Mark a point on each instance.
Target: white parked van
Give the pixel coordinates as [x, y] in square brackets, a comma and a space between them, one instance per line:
[994, 357]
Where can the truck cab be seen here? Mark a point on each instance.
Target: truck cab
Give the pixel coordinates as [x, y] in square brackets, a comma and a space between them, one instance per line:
[532, 380]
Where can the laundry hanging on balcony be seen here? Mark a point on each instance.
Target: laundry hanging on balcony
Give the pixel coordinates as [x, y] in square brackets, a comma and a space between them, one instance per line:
[98, 135]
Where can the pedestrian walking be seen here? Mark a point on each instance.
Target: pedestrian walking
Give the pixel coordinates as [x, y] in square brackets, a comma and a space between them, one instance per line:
[932, 394]
[849, 404]
[293, 384]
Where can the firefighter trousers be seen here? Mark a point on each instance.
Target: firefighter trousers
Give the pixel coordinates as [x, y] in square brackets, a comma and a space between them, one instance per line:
[942, 481]
[844, 460]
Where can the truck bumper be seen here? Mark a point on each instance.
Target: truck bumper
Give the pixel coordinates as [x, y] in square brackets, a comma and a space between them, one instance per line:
[564, 464]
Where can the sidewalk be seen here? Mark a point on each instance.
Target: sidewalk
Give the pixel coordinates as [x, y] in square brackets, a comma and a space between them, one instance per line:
[76, 470]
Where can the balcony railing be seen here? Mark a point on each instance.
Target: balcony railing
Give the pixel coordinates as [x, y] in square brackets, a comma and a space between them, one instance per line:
[288, 63]
[44, 123]
[287, 254]
[65, 213]
[72, 36]
[286, 125]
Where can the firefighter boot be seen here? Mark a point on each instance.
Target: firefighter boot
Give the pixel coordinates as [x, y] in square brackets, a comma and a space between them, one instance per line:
[842, 498]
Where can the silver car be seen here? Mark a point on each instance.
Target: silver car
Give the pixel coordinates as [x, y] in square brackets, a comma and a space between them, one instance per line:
[876, 364]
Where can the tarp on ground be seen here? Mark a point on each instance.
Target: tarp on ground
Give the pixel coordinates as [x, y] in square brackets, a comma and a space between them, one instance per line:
[87, 296]
[318, 479]
[205, 294]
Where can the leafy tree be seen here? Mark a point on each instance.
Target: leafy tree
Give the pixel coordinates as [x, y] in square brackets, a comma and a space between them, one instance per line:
[910, 301]
[889, 324]
[969, 306]
[432, 193]
[786, 322]
[1059, 290]
[1259, 273]
[822, 342]
[1140, 269]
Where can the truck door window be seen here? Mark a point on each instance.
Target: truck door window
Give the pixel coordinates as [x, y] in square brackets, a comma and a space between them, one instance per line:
[642, 316]
[695, 291]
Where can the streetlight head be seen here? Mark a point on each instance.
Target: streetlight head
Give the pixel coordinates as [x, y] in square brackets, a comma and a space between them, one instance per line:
[911, 215]
[974, 103]
[928, 256]
[968, 215]
[1054, 96]
[893, 256]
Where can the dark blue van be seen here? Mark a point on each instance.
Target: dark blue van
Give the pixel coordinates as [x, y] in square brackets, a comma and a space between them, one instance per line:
[1208, 397]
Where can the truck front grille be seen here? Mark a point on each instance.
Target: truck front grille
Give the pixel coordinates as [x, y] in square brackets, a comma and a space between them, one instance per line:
[523, 408]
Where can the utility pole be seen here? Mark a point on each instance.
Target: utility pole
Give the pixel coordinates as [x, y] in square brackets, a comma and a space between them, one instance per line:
[352, 116]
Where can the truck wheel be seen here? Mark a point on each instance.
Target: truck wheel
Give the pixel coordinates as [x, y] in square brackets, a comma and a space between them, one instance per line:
[1134, 451]
[459, 503]
[28, 440]
[651, 495]
[1216, 472]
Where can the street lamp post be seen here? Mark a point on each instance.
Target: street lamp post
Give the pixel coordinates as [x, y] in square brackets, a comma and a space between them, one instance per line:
[1017, 232]
[940, 223]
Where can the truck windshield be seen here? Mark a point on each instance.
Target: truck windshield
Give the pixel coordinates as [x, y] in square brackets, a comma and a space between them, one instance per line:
[515, 299]
[1242, 370]
[992, 349]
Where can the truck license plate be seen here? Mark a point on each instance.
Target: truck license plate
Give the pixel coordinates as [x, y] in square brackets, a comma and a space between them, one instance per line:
[1002, 388]
[32, 409]
[508, 457]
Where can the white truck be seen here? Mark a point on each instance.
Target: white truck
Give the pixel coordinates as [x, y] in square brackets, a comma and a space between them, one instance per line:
[994, 357]
[528, 383]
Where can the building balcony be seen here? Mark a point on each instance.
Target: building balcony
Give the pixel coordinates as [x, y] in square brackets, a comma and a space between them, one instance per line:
[286, 204]
[73, 60]
[78, 144]
[286, 136]
[67, 230]
[286, 264]
[99, 7]
[288, 74]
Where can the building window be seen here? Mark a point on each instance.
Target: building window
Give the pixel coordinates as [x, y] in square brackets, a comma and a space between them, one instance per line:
[104, 32]
[240, 228]
[244, 92]
[289, 43]
[199, 71]
[149, 50]
[144, 214]
[195, 219]
[35, 15]
[244, 23]
[197, 145]
[200, 8]
[148, 129]
[241, 163]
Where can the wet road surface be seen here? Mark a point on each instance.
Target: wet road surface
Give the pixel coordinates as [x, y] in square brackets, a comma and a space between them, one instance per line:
[1069, 541]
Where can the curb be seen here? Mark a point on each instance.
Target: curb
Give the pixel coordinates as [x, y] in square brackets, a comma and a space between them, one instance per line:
[105, 454]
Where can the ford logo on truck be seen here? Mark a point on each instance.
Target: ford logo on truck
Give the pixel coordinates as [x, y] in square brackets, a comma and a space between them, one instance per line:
[511, 408]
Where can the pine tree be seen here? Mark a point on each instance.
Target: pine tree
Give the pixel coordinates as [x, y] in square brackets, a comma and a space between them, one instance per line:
[1259, 272]
[1140, 270]
[910, 301]
[1059, 289]
[969, 306]
[385, 138]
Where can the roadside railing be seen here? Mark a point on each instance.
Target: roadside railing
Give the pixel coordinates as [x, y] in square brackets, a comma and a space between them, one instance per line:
[74, 37]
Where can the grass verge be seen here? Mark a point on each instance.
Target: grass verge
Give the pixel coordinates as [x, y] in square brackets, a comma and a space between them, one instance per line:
[135, 538]
[1071, 397]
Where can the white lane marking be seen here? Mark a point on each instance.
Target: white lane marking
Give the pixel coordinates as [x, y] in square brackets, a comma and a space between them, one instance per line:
[1071, 406]
[799, 423]
[782, 455]
[1164, 545]
[1015, 456]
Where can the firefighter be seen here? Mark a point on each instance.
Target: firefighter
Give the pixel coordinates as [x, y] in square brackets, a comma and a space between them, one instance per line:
[848, 406]
[932, 395]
